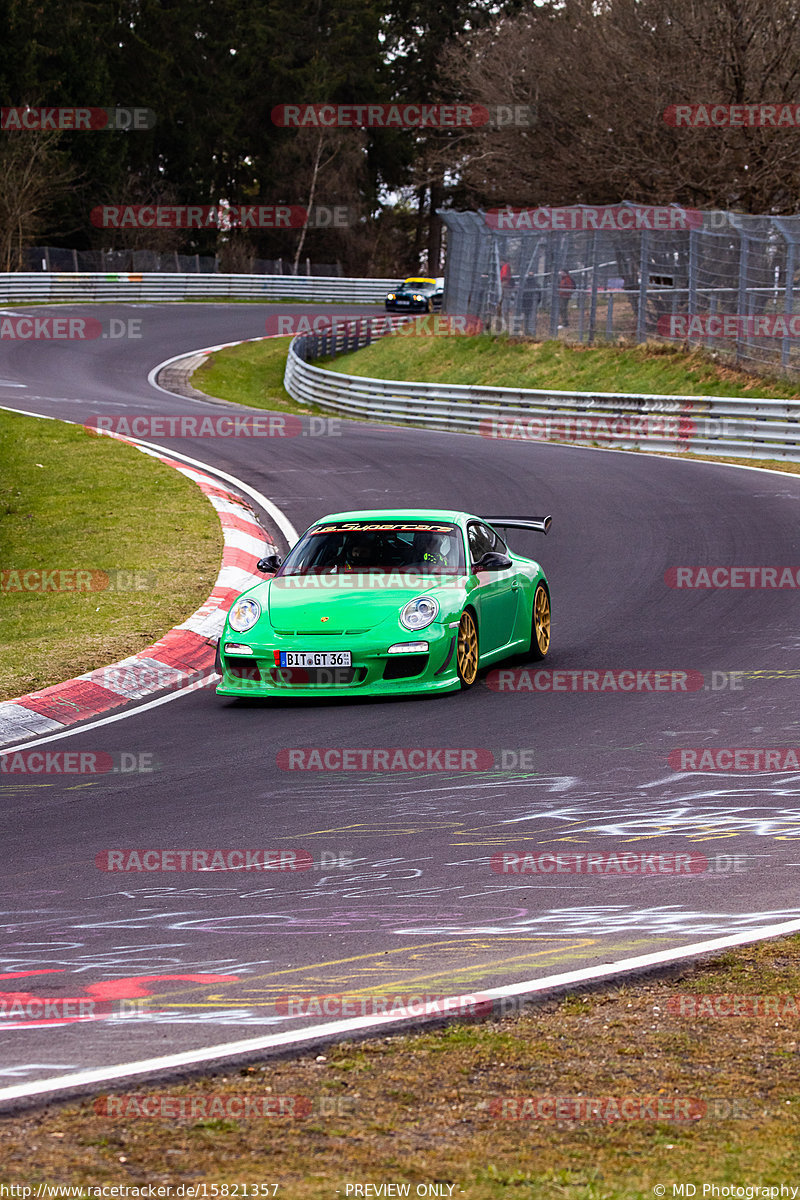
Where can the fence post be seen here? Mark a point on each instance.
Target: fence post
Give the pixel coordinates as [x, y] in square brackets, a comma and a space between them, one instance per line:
[556, 262]
[641, 327]
[692, 299]
[742, 299]
[788, 299]
[593, 303]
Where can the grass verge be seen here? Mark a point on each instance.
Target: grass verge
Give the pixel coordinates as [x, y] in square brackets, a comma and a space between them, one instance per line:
[427, 1109]
[424, 1109]
[68, 503]
[503, 362]
[250, 374]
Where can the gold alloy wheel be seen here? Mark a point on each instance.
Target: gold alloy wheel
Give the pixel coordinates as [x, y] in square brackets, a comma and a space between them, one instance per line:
[467, 650]
[540, 625]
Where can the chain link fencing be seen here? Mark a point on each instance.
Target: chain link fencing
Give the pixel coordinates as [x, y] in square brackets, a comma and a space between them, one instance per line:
[58, 258]
[721, 280]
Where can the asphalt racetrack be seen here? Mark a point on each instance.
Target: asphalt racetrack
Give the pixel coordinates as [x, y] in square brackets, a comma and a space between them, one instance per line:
[403, 895]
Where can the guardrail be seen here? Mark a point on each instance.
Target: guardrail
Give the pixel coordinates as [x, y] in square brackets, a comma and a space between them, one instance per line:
[41, 287]
[721, 425]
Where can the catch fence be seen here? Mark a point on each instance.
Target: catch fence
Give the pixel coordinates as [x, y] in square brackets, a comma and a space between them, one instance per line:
[722, 280]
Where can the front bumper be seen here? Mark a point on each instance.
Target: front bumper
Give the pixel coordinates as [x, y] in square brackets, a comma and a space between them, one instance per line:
[258, 675]
[419, 306]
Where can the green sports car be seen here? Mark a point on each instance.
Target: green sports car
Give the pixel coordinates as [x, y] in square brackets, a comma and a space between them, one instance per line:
[386, 602]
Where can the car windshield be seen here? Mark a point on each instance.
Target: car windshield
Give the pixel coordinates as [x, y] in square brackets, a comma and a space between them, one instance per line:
[416, 285]
[341, 546]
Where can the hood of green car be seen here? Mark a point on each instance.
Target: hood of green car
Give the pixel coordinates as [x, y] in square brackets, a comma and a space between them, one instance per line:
[330, 604]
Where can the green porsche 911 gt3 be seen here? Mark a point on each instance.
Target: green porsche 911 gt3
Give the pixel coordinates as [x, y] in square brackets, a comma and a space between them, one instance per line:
[386, 602]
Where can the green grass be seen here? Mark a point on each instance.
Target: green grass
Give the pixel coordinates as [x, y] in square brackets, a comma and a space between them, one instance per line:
[504, 362]
[69, 502]
[418, 1109]
[250, 374]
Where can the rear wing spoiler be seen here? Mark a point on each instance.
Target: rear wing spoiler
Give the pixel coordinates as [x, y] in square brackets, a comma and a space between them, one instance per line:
[520, 523]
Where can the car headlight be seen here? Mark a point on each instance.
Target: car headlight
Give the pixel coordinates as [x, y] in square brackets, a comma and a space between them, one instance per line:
[390, 296]
[244, 615]
[419, 612]
[419, 297]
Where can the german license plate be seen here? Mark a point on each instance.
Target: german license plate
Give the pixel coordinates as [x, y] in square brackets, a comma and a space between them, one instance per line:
[313, 658]
[402, 302]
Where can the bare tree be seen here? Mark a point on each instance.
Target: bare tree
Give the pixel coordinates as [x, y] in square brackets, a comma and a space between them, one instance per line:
[601, 76]
[321, 165]
[34, 176]
[317, 169]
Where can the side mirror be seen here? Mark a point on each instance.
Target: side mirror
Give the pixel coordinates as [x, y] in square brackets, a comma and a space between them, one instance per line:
[270, 564]
[492, 561]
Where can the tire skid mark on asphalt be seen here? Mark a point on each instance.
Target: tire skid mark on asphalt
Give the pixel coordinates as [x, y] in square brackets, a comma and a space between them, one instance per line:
[334, 1030]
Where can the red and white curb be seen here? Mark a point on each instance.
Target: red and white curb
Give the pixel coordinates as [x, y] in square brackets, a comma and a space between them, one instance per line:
[185, 654]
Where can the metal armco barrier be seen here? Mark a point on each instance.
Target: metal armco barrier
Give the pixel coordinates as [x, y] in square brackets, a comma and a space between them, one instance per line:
[21, 287]
[722, 425]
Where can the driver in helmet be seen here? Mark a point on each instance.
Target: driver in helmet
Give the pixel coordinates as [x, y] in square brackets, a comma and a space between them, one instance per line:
[428, 547]
[359, 553]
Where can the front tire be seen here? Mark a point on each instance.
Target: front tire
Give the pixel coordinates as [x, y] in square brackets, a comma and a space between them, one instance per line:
[467, 650]
[540, 624]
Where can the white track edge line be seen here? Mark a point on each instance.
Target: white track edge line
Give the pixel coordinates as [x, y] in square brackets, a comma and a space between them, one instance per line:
[674, 456]
[281, 520]
[168, 362]
[583, 975]
[331, 1029]
[202, 682]
[278, 516]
